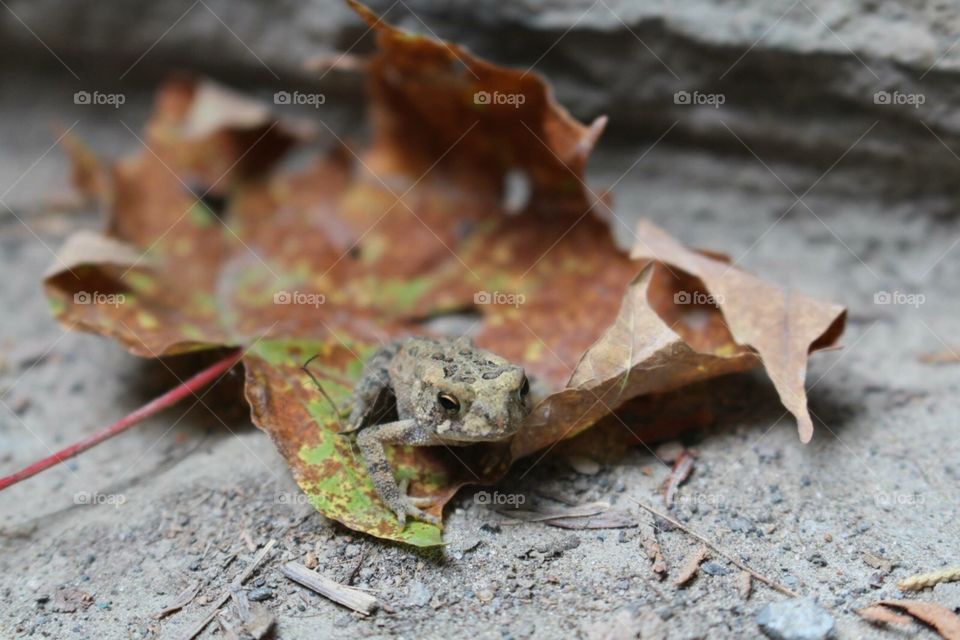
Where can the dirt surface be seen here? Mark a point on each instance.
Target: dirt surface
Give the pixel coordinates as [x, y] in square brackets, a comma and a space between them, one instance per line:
[190, 495]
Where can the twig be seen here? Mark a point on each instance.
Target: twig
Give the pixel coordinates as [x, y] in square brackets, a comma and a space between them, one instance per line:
[347, 596]
[183, 599]
[356, 567]
[156, 405]
[765, 580]
[745, 585]
[336, 410]
[927, 580]
[240, 579]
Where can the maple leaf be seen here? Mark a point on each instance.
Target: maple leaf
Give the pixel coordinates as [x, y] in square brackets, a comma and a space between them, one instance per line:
[209, 244]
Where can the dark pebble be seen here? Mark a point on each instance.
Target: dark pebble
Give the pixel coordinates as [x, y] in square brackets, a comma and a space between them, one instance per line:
[713, 569]
[261, 594]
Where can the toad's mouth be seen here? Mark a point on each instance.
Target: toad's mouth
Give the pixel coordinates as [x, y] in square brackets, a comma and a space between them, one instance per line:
[459, 433]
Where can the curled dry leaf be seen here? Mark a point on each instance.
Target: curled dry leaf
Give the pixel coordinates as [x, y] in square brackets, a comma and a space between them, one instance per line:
[781, 326]
[210, 244]
[877, 613]
[945, 621]
[691, 565]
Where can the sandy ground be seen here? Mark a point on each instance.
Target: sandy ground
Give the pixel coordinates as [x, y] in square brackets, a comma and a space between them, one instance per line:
[183, 497]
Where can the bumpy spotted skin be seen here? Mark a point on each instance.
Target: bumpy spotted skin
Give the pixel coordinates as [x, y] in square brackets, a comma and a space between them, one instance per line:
[445, 392]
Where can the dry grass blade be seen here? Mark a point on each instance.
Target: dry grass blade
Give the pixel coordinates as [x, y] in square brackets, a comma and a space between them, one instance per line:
[347, 596]
[927, 580]
[948, 356]
[613, 519]
[553, 513]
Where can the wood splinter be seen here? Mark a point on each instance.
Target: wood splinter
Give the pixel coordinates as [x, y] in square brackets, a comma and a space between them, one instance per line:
[349, 597]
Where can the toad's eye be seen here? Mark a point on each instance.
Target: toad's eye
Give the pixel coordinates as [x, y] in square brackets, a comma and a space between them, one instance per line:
[524, 387]
[449, 402]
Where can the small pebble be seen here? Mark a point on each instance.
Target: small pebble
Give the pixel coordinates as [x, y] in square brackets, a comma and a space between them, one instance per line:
[741, 524]
[714, 569]
[261, 594]
[669, 451]
[584, 465]
[796, 619]
[418, 595]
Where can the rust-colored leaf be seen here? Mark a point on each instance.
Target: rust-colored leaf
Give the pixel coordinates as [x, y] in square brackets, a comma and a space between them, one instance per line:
[781, 326]
[945, 621]
[210, 243]
[877, 613]
[691, 565]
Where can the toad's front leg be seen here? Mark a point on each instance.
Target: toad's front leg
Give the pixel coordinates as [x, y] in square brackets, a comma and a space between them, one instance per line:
[371, 440]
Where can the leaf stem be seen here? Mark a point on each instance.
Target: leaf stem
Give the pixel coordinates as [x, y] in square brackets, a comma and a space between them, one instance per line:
[156, 405]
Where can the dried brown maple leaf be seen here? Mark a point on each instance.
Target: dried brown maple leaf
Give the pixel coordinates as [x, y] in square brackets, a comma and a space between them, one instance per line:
[209, 244]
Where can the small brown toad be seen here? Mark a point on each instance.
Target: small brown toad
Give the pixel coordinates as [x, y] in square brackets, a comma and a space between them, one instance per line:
[445, 391]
